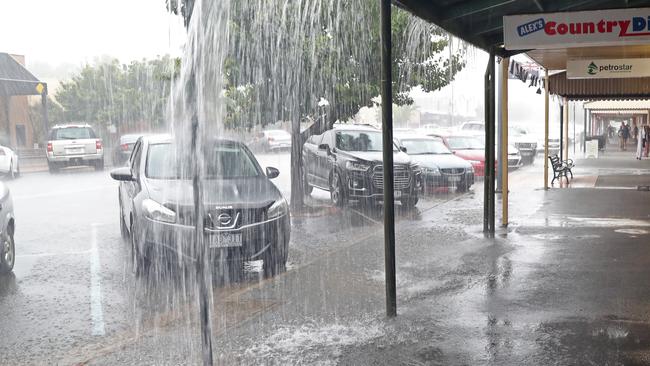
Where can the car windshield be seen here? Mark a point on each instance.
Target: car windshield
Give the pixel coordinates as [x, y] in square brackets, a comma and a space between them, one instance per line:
[223, 161]
[424, 146]
[465, 143]
[360, 141]
[72, 133]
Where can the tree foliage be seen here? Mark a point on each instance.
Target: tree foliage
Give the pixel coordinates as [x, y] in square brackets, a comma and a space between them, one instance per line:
[284, 56]
[125, 95]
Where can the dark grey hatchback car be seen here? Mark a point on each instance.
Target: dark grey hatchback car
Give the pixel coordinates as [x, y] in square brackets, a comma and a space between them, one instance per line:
[245, 215]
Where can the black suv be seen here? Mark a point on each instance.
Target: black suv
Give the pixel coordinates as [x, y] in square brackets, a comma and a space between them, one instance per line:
[245, 216]
[347, 162]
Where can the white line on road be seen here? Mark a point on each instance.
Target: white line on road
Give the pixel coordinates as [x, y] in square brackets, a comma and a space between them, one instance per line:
[64, 192]
[95, 287]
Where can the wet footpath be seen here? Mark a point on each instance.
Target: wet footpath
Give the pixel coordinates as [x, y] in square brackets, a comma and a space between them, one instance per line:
[566, 283]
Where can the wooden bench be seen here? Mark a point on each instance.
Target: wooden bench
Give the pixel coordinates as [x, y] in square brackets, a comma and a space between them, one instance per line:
[561, 168]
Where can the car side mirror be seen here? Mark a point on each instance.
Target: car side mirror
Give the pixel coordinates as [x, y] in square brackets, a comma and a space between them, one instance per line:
[272, 172]
[324, 147]
[122, 174]
[402, 148]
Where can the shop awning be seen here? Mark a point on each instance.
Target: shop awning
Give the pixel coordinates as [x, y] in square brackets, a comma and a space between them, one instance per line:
[619, 105]
[599, 89]
[480, 22]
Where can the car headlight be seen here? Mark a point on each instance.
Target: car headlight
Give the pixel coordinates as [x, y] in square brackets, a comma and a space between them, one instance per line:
[353, 165]
[278, 208]
[158, 212]
[470, 169]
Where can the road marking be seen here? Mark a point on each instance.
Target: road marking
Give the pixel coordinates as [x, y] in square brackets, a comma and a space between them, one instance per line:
[52, 254]
[95, 287]
[64, 192]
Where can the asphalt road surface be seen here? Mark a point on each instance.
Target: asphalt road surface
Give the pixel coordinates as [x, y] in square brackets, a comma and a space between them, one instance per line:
[72, 292]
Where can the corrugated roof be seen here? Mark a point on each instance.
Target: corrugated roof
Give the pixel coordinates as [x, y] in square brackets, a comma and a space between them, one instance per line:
[16, 79]
[618, 105]
[599, 89]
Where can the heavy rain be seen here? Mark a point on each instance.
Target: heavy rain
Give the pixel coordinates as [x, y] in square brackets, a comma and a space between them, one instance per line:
[323, 182]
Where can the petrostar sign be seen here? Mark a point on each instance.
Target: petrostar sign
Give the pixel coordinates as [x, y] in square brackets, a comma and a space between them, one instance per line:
[577, 29]
[606, 69]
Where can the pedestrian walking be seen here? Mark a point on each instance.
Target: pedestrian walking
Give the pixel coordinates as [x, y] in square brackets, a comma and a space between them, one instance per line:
[646, 142]
[640, 139]
[623, 135]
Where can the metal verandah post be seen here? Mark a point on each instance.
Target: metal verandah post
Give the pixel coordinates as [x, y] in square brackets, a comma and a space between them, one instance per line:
[387, 132]
[488, 185]
[561, 131]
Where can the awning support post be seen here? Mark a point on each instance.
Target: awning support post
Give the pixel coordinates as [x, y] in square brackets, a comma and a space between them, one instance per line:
[561, 131]
[566, 129]
[7, 112]
[584, 132]
[503, 159]
[488, 185]
[387, 131]
[546, 129]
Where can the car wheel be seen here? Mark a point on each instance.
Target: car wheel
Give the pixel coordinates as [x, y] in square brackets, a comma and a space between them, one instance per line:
[337, 191]
[275, 258]
[99, 164]
[7, 253]
[306, 186]
[12, 173]
[53, 167]
[409, 202]
[124, 232]
[139, 262]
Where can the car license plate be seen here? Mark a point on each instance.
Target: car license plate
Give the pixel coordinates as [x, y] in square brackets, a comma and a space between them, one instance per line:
[453, 179]
[75, 150]
[397, 194]
[225, 240]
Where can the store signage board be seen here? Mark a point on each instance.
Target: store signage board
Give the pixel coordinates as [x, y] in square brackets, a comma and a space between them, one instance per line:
[608, 69]
[613, 27]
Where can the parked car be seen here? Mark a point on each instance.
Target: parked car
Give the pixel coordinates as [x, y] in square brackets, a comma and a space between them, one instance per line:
[347, 162]
[7, 247]
[122, 151]
[472, 149]
[524, 142]
[271, 141]
[9, 163]
[440, 167]
[246, 217]
[553, 146]
[74, 144]
[472, 128]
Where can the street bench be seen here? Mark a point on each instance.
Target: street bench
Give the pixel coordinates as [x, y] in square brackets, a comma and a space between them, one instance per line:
[561, 168]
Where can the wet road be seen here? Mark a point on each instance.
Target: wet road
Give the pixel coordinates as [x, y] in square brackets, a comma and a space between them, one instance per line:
[565, 284]
[72, 293]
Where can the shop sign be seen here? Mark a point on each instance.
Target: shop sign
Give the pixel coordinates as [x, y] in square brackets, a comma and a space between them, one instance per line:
[607, 69]
[577, 29]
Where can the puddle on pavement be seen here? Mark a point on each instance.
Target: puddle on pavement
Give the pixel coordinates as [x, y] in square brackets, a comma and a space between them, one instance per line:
[608, 341]
[632, 231]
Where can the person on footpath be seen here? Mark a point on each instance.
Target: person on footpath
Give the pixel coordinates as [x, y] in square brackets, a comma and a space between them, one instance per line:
[623, 135]
[640, 140]
[646, 143]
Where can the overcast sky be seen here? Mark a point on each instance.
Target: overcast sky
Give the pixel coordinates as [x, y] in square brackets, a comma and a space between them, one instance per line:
[78, 31]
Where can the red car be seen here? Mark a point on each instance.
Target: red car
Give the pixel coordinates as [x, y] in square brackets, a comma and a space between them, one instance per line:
[469, 148]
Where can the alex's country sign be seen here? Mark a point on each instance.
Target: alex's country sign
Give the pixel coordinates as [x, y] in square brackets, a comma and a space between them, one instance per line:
[577, 29]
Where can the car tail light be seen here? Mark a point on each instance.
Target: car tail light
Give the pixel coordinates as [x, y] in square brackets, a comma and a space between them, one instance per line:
[270, 139]
[49, 147]
[98, 144]
[125, 147]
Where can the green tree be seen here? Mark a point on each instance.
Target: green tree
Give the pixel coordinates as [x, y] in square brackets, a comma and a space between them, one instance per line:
[284, 56]
[128, 96]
